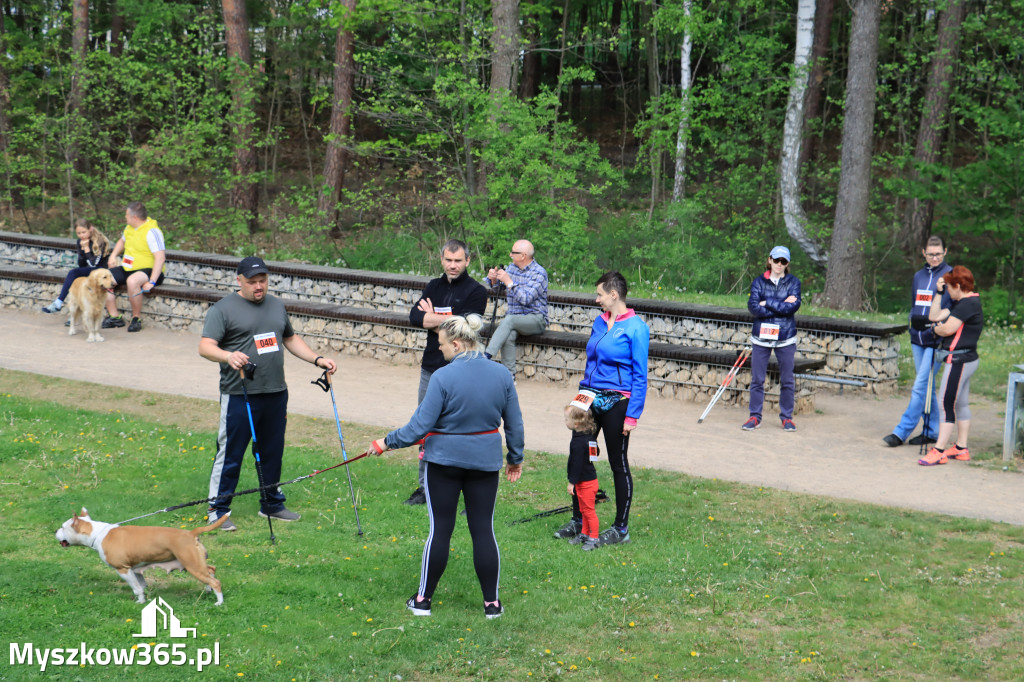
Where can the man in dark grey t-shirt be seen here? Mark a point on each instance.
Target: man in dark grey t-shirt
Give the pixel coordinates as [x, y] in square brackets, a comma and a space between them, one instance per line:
[252, 326]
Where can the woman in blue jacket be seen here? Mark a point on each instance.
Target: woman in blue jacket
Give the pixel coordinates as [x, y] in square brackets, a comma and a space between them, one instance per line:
[774, 300]
[616, 373]
[465, 403]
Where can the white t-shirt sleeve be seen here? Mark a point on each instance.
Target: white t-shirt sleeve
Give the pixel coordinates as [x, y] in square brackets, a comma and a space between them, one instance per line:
[155, 240]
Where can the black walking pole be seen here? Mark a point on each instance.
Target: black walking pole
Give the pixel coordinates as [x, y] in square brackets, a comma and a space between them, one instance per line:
[251, 369]
[928, 406]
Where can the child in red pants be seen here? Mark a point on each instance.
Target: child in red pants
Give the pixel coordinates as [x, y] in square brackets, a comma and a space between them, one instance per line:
[582, 474]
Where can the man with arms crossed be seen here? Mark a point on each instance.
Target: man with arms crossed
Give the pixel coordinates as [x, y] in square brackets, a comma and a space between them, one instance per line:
[454, 293]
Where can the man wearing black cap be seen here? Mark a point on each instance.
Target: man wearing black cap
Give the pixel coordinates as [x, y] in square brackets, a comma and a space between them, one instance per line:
[251, 327]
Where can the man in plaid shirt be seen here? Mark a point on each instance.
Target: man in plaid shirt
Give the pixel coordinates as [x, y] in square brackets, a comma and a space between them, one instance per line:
[526, 285]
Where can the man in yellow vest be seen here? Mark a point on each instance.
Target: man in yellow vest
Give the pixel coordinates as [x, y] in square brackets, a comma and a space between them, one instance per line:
[143, 246]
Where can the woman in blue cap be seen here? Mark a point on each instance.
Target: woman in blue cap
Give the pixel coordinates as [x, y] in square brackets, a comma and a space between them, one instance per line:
[774, 300]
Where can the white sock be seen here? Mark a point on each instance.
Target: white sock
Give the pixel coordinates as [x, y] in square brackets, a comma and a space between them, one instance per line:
[58, 304]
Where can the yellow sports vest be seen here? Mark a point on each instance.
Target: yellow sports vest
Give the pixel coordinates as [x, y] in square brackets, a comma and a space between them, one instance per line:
[135, 247]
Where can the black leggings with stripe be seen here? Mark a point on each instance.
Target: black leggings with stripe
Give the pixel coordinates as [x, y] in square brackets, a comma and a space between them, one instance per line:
[443, 486]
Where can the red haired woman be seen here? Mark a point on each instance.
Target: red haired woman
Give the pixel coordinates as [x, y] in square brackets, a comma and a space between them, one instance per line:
[960, 328]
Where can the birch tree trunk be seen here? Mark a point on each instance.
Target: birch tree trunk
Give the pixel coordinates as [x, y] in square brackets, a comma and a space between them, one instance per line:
[844, 280]
[685, 83]
[930, 132]
[244, 192]
[793, 135]
[336, 154]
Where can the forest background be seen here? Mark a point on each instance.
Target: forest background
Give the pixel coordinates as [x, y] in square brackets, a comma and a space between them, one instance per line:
[676, 141]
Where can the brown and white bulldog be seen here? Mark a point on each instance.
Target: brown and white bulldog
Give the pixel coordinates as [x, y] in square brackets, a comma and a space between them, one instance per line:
[130, 549]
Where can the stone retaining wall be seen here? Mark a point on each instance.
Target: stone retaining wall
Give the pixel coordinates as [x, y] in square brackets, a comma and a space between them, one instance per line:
[869, 357]
[329, 333]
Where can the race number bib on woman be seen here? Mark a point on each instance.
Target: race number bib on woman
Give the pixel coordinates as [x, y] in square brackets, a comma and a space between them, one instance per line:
[923, 298]
[266, 343]
[584, 399]
[769, 332]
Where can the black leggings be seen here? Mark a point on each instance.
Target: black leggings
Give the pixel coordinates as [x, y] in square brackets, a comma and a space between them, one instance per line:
[442, 485]
[616, 448]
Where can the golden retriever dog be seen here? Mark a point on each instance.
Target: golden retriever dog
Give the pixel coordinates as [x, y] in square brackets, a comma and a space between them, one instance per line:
[86, 300]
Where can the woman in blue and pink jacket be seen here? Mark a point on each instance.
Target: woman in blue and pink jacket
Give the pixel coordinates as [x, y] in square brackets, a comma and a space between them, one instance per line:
[617, 373]
[774, 300]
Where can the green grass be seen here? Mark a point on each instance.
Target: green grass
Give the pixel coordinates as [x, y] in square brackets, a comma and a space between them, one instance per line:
[721, 581]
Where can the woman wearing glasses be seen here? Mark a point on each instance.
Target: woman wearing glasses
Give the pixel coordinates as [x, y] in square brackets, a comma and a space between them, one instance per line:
[774, 300]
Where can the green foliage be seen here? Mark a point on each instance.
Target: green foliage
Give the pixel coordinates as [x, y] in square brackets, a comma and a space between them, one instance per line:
[741, 582]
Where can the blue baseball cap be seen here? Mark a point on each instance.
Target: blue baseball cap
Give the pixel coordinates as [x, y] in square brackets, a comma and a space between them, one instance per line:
[780, 252]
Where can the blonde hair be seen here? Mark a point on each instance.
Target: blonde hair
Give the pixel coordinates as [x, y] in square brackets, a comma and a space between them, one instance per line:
[465, 329]
[98, 242]
[579, 419]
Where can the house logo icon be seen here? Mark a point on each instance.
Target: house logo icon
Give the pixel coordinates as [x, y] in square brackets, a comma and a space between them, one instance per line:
[158, 612]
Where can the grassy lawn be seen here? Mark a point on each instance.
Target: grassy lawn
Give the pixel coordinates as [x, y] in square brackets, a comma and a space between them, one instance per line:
[721, 581]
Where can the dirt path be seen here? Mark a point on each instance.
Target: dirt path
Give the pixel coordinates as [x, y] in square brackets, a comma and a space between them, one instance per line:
[836, 453]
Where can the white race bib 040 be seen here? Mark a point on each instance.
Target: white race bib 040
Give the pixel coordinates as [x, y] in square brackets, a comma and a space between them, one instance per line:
[266, 343]
[923, 298]
[769, 332]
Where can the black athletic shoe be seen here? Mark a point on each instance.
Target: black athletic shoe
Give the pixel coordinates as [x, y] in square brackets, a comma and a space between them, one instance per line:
[418, 608]
[894, 441]
[112, 322]
[493, 610]
[136, 325]
[612, 536]
[921, 440]
[569, 530]
[417, 497]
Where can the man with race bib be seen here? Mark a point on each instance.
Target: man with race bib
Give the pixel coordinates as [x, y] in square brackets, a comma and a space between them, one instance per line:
[453, 293]
[142, 266]
[245, 332]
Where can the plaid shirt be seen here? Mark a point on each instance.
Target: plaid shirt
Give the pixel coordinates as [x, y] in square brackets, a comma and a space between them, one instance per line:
[529, 296]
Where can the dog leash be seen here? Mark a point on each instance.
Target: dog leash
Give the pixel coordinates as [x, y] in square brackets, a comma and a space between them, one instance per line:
[243, 492]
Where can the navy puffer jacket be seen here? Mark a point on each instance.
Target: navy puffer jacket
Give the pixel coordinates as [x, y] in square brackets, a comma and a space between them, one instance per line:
[775, 310]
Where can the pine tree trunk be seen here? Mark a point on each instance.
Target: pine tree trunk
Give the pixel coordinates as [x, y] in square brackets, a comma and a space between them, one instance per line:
[75, 115]
[244, 192]
[816, 83]
[844, 280]
[930, 133]
[504, 46]
[341, 123]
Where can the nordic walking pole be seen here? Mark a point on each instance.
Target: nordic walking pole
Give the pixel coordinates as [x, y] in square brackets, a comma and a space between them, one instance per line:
[256, 453]
[344, 455]
[744, 354]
